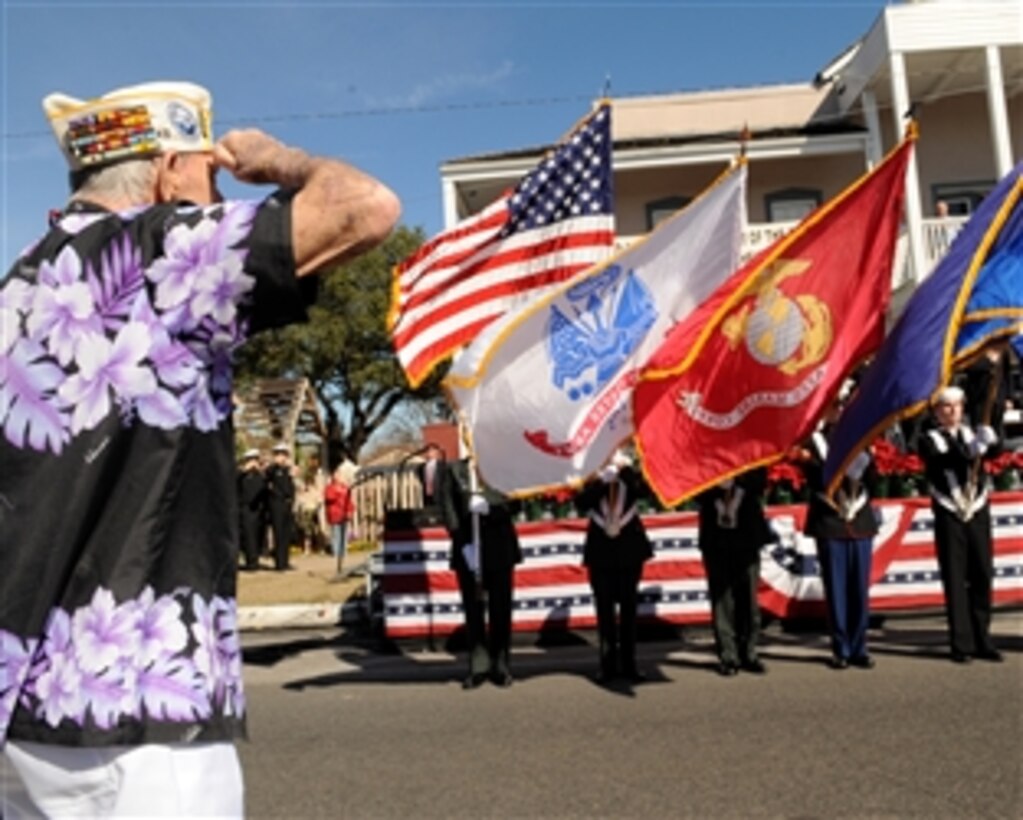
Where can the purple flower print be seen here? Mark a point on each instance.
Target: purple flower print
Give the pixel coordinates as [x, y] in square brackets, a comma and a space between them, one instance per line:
[63, 310]
[200, 405]
[74, 223]
[105, 366]
[218, 290]
[55, 677]
[194, 254]
[110, 695]
[172, 689]
[162, 630]
[119, 283]
[137, 659]
[174, 363]
[15, 297]
[15, 654]
[104, 632]
[28, 382]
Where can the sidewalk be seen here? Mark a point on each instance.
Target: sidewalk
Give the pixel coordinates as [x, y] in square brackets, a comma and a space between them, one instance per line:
[310, 593]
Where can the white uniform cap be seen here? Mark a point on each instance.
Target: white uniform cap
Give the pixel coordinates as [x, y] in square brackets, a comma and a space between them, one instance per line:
[950, 395]
[281, 448]
[249, 454]
[133, 122]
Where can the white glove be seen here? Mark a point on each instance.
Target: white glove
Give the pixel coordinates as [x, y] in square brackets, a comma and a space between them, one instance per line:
[608, 473]
[857, 467]
[478, 504]
[471, 556]
[986, 435]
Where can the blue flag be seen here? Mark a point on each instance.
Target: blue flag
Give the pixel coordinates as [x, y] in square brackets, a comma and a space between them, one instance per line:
[973, 297]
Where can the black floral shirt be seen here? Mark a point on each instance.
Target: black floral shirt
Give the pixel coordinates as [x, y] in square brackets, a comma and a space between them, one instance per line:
[118, 511]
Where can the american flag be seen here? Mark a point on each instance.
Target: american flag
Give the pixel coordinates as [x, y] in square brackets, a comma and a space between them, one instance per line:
[556, 222]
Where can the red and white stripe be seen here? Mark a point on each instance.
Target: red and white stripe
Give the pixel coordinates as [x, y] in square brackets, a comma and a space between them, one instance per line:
[551, 587]
[462, 280]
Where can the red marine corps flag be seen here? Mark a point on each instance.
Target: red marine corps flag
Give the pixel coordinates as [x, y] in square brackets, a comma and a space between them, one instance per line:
[746, 376]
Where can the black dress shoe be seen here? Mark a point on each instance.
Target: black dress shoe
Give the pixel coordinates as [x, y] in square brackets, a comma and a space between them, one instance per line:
[838, 663]
[634, 676]
[727, 670]
[603, 678]
[754, 667]
[503, 679]
[959, 657]
[473, 681]
[989, 654]
[862, 662]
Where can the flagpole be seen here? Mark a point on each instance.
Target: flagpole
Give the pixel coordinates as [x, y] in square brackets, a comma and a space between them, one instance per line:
[474, 486]
[988, 409]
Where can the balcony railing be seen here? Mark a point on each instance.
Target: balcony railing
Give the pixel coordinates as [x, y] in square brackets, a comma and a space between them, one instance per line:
[938, 233]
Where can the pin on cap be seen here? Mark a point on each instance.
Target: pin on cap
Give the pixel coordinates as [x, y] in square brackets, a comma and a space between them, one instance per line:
[132, 122]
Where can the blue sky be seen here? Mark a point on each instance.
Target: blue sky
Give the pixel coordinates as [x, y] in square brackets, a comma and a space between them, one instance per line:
[394, 88]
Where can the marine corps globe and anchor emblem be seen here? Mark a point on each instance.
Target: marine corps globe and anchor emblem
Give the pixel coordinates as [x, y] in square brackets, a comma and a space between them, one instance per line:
[789, 333]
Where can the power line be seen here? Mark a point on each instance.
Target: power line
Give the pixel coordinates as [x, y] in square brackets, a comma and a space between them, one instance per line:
[734, 94]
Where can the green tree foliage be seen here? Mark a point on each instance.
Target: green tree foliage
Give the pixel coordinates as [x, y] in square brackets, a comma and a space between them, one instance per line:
[345, 351]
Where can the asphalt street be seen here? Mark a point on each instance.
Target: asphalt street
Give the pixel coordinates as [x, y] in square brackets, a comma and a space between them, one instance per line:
[343, 726]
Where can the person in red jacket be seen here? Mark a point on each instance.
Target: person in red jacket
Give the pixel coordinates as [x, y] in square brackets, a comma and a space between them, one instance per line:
[340, 507]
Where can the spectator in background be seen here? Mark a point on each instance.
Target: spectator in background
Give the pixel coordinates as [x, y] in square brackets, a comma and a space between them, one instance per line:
[614, 553]
[280, 502]
[251, 503]
[309, 513]
[430, 475]
[340, 509]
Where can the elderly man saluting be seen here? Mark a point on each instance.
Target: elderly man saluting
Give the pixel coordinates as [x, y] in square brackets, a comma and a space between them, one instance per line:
[120, 664]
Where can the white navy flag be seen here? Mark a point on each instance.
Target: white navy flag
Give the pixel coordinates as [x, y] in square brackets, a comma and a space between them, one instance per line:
[545, 391]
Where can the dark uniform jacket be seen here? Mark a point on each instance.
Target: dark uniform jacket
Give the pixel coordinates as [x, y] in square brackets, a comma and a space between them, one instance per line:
[280, 486]
[251, 491]
[951, 467]
[499, 541]
[850, 514]
[631, 547]
[751, 528]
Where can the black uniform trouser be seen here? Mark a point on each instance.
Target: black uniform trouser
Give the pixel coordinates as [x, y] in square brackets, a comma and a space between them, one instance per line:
[249, 526]
[489, 649]
[967, 566]
[733, 573]
[280, 523]
[616, 589]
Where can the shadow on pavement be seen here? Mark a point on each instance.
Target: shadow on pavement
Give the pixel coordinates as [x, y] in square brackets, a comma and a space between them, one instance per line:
[569, 652]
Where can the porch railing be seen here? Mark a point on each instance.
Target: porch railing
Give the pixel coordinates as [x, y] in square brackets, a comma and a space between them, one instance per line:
[938, 233]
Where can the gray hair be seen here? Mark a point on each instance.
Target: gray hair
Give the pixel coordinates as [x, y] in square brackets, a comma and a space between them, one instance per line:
[132, 180]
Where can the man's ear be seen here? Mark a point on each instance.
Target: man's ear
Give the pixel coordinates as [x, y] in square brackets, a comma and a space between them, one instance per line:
[168, 176]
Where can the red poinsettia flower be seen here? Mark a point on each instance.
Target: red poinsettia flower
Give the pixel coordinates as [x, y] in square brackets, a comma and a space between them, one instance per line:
[886, 457]
[910, 464]
[785, 472]
[1000, 463]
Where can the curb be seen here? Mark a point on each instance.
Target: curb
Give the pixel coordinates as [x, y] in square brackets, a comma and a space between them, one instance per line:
[299, 616]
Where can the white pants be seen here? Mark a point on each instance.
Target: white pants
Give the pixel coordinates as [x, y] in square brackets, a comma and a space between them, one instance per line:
[156, 780]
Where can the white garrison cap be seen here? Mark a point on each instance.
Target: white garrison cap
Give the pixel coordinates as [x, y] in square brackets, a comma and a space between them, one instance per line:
[132, 122]
[950, 395]
[249, 454]
[281, 448]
